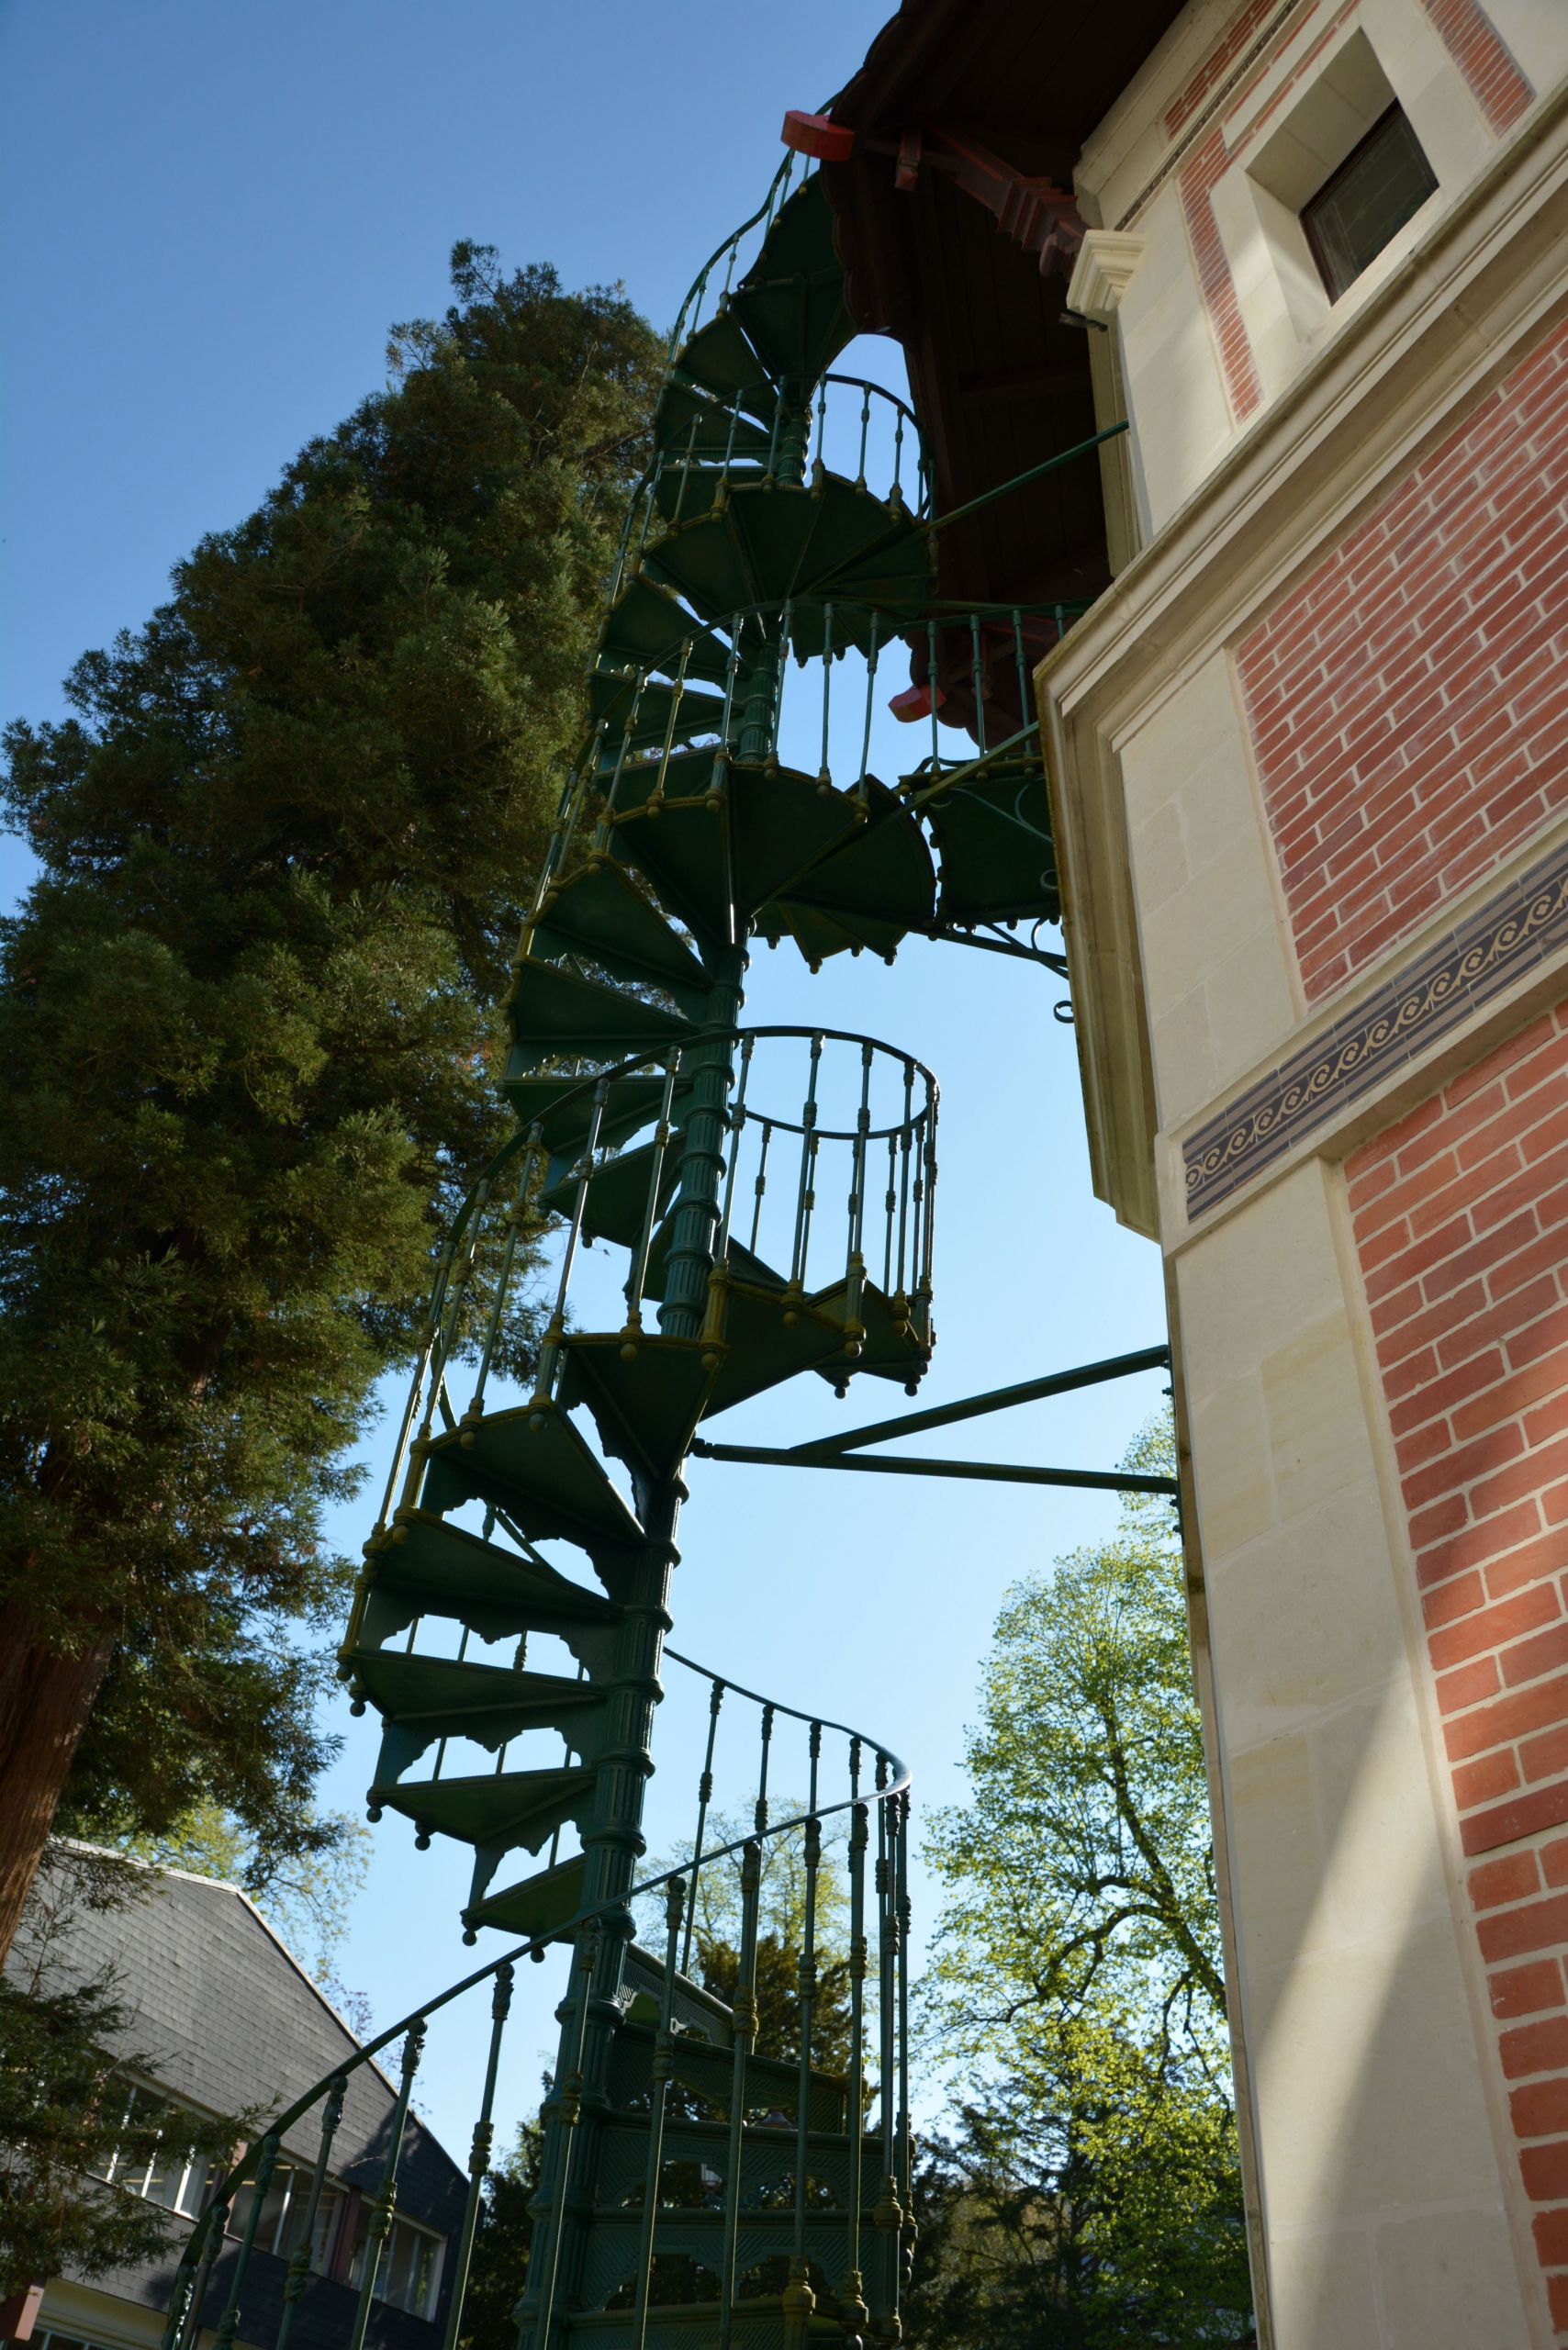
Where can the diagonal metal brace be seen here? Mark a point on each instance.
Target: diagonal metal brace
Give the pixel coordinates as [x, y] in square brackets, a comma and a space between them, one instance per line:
[834, 1451]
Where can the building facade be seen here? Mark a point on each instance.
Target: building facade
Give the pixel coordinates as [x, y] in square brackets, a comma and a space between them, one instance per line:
[232, 2024]
[1310, 778]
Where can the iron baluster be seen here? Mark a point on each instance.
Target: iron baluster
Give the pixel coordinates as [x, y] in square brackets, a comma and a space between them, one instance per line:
[760, 1186]
[819, 471]
[1023, 666]
[744, 2027]
[824, 775]
[659, 2095]
[601, 831]
[637, 1277]
[568, 2104]
[890, 1208]
[979, 671]
[655, 798]
[905, 2167]
[865, 428]
[767, 1748]
[804, 1193]
[738, 1118]
[384, 2203]
[852, 2292]
[704, 1797]
[549, 1352]
[478, 2157]
[888, 2216]
[515, 1214]
[862, 790]
[229, 2323]
[934, 691]
[798, 2300]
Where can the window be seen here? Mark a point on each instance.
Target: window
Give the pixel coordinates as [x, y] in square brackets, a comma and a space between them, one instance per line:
[280, 2226]
[173, 2175]
[1383, 182]
[408, 2275]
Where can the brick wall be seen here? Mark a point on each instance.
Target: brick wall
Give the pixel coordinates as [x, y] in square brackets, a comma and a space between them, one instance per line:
[1473, 41]
[1200, 176]
[1461, 1219]
[1250, 22]
[1409, 699]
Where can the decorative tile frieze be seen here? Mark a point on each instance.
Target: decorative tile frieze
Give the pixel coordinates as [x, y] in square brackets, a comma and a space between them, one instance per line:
[1455, 975]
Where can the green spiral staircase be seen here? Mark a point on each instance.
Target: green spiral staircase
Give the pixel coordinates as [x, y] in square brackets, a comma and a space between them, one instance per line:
[767, 1196]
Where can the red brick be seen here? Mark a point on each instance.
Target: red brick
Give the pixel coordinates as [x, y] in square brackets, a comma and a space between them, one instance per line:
[1486, 1541]
[1493, 1627]
[1527, 1990]
[1496, 1882]
[1526, 1658]
[1483, 1782]
[1536, 2048]
[1520, 1815]
[1537, 1925]
[1539, 2109]
[1468, 1686]
[1544, 2170]
[1544, 1703]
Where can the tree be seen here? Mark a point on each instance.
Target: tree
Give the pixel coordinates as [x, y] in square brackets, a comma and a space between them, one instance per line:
[247, 1018]
[1088, 2190]
[67, 2115]
[717, 1899]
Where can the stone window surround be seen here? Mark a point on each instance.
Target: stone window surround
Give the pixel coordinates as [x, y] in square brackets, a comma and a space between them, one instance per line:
[1280, 162]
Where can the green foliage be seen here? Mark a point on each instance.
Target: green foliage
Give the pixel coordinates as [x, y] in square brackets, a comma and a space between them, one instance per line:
[1088, 2193]
[63, 2101]
[247, 1020]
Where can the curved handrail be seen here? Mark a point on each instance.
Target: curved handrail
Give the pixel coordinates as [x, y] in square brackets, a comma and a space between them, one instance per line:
[220, 2195]
[704, 1034]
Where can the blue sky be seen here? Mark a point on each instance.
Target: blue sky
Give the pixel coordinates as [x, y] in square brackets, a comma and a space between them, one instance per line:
[217, 211]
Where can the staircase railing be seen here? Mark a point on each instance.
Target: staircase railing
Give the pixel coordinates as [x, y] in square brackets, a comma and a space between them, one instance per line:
[769, 2156]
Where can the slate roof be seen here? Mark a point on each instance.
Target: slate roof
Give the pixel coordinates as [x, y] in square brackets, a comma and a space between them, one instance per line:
[226, 2020]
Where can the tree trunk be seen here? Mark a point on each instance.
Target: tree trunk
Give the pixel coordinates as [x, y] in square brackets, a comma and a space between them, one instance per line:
[45, 1700]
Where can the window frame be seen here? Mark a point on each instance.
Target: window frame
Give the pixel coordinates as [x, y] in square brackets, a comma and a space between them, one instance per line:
[1334, 290]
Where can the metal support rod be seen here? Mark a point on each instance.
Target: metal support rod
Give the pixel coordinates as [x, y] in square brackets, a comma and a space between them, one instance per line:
[994, 1473]
[299, 2263]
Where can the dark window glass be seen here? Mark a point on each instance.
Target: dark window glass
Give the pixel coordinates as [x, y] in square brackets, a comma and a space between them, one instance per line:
[1375, 190]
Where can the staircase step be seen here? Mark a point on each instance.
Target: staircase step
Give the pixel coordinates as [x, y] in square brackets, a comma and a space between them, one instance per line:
[614, 2245]
[600, 910]
[687, 423]
[645, 1408]
[877, 884]
[771, 2085]
[533, 1463]
[648, 628]
[790, 301]
[428, 1568]
[618, 1193]
[765, 2155]
[691, 2008]
[500, 1812]
[554, 1012]
[994, 839]
[644, 719]
[761, 2324]
[537, 1905]
[768, 542]
[764, 1349]
[562, 1106]
[423, 1698]
[891, 1347]
[720, 362]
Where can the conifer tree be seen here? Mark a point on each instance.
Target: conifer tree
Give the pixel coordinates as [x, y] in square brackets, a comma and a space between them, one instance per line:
[248, 1018]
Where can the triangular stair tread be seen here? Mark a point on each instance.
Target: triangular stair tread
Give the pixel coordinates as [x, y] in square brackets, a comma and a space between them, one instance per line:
[684, 852]
[764, 1350]
[509, 1810]
[993, 837]
[562, 1106]
[744, 1266]
[455, 1697]
[429, 1568]
[769, 2080]
[717, 357]
[645, 1409]
[891, 1347]
[791, 300]
[883, 871]
[618, 1194]
[600, 910]
[645, 718]
[781, 825]
[648, 628]
[554, 1011]
[691, 2007]
[687, 421]
[533, 1463]
[538, 1904]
